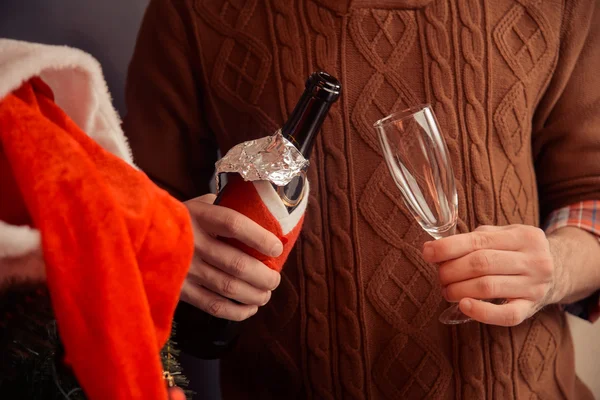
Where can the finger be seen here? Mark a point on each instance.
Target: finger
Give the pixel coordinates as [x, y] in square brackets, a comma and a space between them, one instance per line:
[511, 313]
[176, 394]
[495, 287]
[526, 235]
[460, 245]
[226, 285]
[491, 228]
[215, 304]
[482, 263]
[207, 198]
[225, 222]
[237, 263]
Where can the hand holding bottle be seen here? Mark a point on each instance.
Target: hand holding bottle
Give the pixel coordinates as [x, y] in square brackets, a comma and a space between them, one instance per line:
[259, 218]
[219, 271]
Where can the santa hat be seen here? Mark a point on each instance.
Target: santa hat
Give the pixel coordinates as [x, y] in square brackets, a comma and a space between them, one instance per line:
[116, 248]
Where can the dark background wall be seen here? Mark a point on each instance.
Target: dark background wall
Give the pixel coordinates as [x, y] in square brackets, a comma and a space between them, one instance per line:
[107, 29]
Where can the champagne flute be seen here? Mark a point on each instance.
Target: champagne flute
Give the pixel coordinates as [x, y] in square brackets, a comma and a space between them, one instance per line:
[417, 157]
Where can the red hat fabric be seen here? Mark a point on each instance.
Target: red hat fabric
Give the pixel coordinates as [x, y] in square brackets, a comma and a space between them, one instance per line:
[116, 247]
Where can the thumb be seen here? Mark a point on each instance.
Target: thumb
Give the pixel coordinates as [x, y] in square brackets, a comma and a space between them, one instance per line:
[207, 198]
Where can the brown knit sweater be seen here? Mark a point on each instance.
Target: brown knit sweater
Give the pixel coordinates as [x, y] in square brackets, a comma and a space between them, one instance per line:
[515, 85]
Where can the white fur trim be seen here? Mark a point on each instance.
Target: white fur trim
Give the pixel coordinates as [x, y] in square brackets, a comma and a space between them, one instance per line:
[271, 199]
[77, 82]
[80, 90]
[16, 241]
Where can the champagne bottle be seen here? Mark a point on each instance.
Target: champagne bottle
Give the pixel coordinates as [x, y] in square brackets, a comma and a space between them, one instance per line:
[200, 334]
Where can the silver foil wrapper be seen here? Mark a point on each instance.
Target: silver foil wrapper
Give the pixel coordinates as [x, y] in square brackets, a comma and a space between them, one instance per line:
[272, 158]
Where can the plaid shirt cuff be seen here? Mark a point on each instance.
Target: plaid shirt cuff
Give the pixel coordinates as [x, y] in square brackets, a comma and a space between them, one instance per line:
[582, 215]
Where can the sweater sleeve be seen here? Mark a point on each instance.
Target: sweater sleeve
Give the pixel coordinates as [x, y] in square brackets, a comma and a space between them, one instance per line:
[164, 123]
[566, 139]
[582, 215]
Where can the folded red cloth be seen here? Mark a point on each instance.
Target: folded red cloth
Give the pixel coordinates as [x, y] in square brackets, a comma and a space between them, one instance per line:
[116, 247]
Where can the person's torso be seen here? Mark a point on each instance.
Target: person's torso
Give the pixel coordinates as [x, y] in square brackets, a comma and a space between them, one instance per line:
[356, 314]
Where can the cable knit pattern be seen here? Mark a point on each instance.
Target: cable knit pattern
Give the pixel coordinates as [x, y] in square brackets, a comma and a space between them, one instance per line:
[285, 35]
[356, 314]
[502, 360]
[413, 299]
[440, 81]
[473, 80]
[287, 52]
[470, 45]
[287, 31]
[350, 363]
[317, 353]
[524, 39]
[528, 57]
[386, 61]
[232, 82]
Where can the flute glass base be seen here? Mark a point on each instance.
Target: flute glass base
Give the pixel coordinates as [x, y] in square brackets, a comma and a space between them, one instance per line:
[453, 316]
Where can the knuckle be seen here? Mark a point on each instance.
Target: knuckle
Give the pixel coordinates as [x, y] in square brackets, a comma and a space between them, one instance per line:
[238, 265]
[233, 223]
[512, 317]
[483, 228]
[487, 287]
[204, 274]
[443, 274]
[436, 250]
[533, 234]
[229, 287]
[264, 241]
[481, 263]
[480, 241]
[216, 307]
[198, 272]
[196, 277]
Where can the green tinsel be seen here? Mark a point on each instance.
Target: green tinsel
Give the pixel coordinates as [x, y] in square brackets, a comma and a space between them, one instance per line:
[31, 352]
